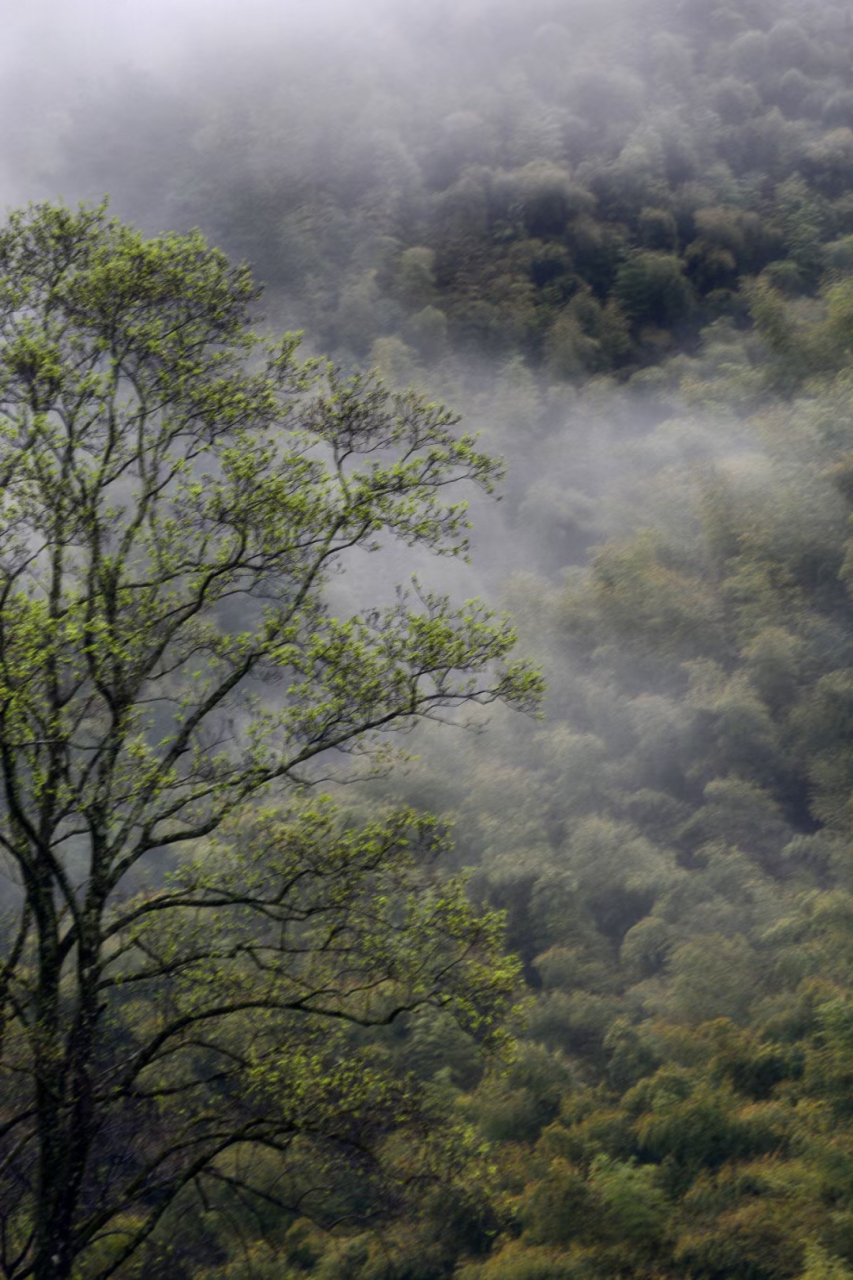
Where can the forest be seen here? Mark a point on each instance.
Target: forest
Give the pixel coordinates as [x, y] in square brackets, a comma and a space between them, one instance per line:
[592, 1014]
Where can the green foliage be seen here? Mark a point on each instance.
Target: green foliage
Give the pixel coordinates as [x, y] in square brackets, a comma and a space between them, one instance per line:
[671, 158]
[652, 289]
[175, 495]
[645, 218]
[672, 846]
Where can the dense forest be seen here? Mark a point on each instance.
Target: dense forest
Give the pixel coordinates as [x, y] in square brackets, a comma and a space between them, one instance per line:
[617, 238]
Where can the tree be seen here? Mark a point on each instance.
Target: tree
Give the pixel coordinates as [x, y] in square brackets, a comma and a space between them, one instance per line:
[652, 289]
[175, 494]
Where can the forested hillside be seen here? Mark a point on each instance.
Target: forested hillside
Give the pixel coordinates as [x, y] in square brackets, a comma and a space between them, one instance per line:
[618, 238]
[586, 187]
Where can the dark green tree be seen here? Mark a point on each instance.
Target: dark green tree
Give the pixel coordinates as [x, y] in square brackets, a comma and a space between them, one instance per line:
[652, 289]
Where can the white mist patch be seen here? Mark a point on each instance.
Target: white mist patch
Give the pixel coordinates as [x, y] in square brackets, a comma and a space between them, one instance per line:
[88, 35]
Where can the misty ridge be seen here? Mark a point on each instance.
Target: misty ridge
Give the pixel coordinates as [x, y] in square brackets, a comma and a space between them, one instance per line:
[617, 239]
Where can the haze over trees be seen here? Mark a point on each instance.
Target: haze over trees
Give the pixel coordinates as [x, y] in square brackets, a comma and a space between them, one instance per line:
[619, 240]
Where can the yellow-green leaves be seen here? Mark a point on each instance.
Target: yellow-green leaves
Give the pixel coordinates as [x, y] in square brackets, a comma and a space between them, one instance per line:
[175, 496]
